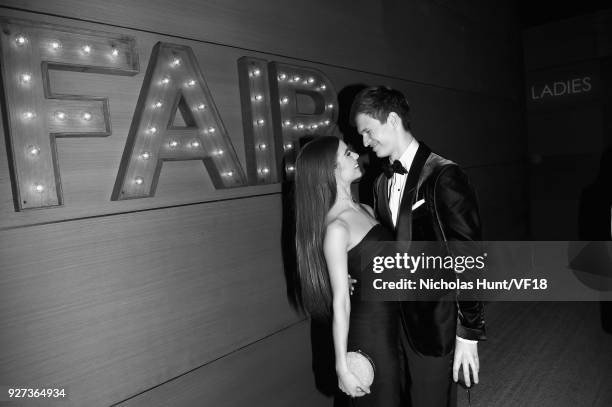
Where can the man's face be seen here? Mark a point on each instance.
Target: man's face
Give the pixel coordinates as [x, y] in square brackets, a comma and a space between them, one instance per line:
[382, 138]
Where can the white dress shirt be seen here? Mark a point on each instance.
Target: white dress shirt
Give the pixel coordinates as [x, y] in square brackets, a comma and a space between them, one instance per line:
[397, 183]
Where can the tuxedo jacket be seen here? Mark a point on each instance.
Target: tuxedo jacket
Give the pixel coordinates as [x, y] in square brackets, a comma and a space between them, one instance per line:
[450, 213]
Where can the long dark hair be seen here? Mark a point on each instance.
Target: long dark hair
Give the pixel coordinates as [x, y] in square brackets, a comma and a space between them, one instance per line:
[315, 193]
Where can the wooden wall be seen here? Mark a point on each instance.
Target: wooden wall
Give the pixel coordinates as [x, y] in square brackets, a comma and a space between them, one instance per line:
[181, 298]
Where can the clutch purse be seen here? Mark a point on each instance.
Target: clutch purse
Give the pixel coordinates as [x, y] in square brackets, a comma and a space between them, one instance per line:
[362, 366]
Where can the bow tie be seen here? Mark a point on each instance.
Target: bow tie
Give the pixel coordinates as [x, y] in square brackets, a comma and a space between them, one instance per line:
[397, 167]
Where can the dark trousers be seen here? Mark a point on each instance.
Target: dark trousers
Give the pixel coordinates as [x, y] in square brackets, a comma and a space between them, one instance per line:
[427, 380]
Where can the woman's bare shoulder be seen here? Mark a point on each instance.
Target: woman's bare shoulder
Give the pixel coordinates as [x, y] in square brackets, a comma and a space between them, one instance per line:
[337, 225]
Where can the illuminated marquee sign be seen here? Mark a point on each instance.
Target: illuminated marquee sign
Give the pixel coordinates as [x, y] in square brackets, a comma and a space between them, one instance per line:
[35, 116]
[273, 96]
[287, 85]
[174, 81]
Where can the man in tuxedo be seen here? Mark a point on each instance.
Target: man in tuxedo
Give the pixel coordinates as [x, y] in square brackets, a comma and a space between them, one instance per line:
[438, 337]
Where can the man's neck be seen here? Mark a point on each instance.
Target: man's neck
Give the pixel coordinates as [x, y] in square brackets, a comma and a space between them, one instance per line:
[404, 142]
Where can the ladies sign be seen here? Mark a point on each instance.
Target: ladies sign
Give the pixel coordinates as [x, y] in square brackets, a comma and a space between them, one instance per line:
[563, 86]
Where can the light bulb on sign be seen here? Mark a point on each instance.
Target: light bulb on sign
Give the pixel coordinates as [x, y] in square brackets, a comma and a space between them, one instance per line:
[165, 80]
[175, 62]
[39, 188]
[173, 144]
[152, 130]
[115, 52]
[290, 168]
[260, 122]
[25, 78]
[86, 116]
[33, 150]
[138, 180]
[330, 106]
[228, 174]
[300, 126]
[284, 100]
[145, 155]
[60, 115]
[311, 80]
[314, 127]
[255, 72]
[326, 122]
[194, 144]
[282, 77]
[201, 106]
[296, 78]
[323, 87]
[287, 123]
[21, 40]
[262, 146]
[28, 115]
[258, 98]
[158, 104]
[55, 45]
[288, 146]
[264, 170]
[211, 129]
[218, 152]
[86, 49]
[191, 83]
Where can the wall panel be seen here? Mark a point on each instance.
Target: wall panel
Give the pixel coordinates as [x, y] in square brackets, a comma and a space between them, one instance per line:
[503, 199]
[568, 133]
[417, 40]
[279, 365]
[568, 41]
[133, 300]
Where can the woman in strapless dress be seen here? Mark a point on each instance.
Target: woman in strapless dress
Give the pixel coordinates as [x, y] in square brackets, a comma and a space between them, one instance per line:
[333, 234]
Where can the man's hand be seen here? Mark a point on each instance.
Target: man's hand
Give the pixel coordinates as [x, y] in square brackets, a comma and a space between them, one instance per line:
[352, 283]
[466, 356]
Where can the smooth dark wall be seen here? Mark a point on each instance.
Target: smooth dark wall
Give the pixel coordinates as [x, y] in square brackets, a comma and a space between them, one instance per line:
[568, 134]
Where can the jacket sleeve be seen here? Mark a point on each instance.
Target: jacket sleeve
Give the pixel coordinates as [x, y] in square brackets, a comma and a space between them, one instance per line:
[457, 209]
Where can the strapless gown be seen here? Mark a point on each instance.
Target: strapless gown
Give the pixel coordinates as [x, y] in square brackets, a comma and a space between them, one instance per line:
[374, 326]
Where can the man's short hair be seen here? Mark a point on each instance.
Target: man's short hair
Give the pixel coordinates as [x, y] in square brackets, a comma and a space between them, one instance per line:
[378, 101]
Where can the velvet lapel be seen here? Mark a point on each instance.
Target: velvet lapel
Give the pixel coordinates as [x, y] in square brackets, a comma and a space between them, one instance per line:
[404, 219]
[383, 201]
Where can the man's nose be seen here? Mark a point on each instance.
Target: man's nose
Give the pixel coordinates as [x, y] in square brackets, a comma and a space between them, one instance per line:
[354, 155]
[366, 140]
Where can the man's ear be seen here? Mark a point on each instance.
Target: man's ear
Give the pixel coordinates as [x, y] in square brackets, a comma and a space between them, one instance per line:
[394, 119]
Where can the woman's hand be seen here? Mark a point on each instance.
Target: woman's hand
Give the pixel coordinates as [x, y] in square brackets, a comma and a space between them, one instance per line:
[351, 386]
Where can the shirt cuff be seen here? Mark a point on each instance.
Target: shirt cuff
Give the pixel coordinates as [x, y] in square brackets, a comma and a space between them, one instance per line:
[465, 340]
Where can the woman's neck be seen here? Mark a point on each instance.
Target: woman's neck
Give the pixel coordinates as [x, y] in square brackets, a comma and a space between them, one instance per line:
[344, 198]
[344, 193]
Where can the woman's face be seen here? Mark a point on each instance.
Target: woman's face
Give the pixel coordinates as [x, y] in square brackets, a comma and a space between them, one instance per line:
[347, 167]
